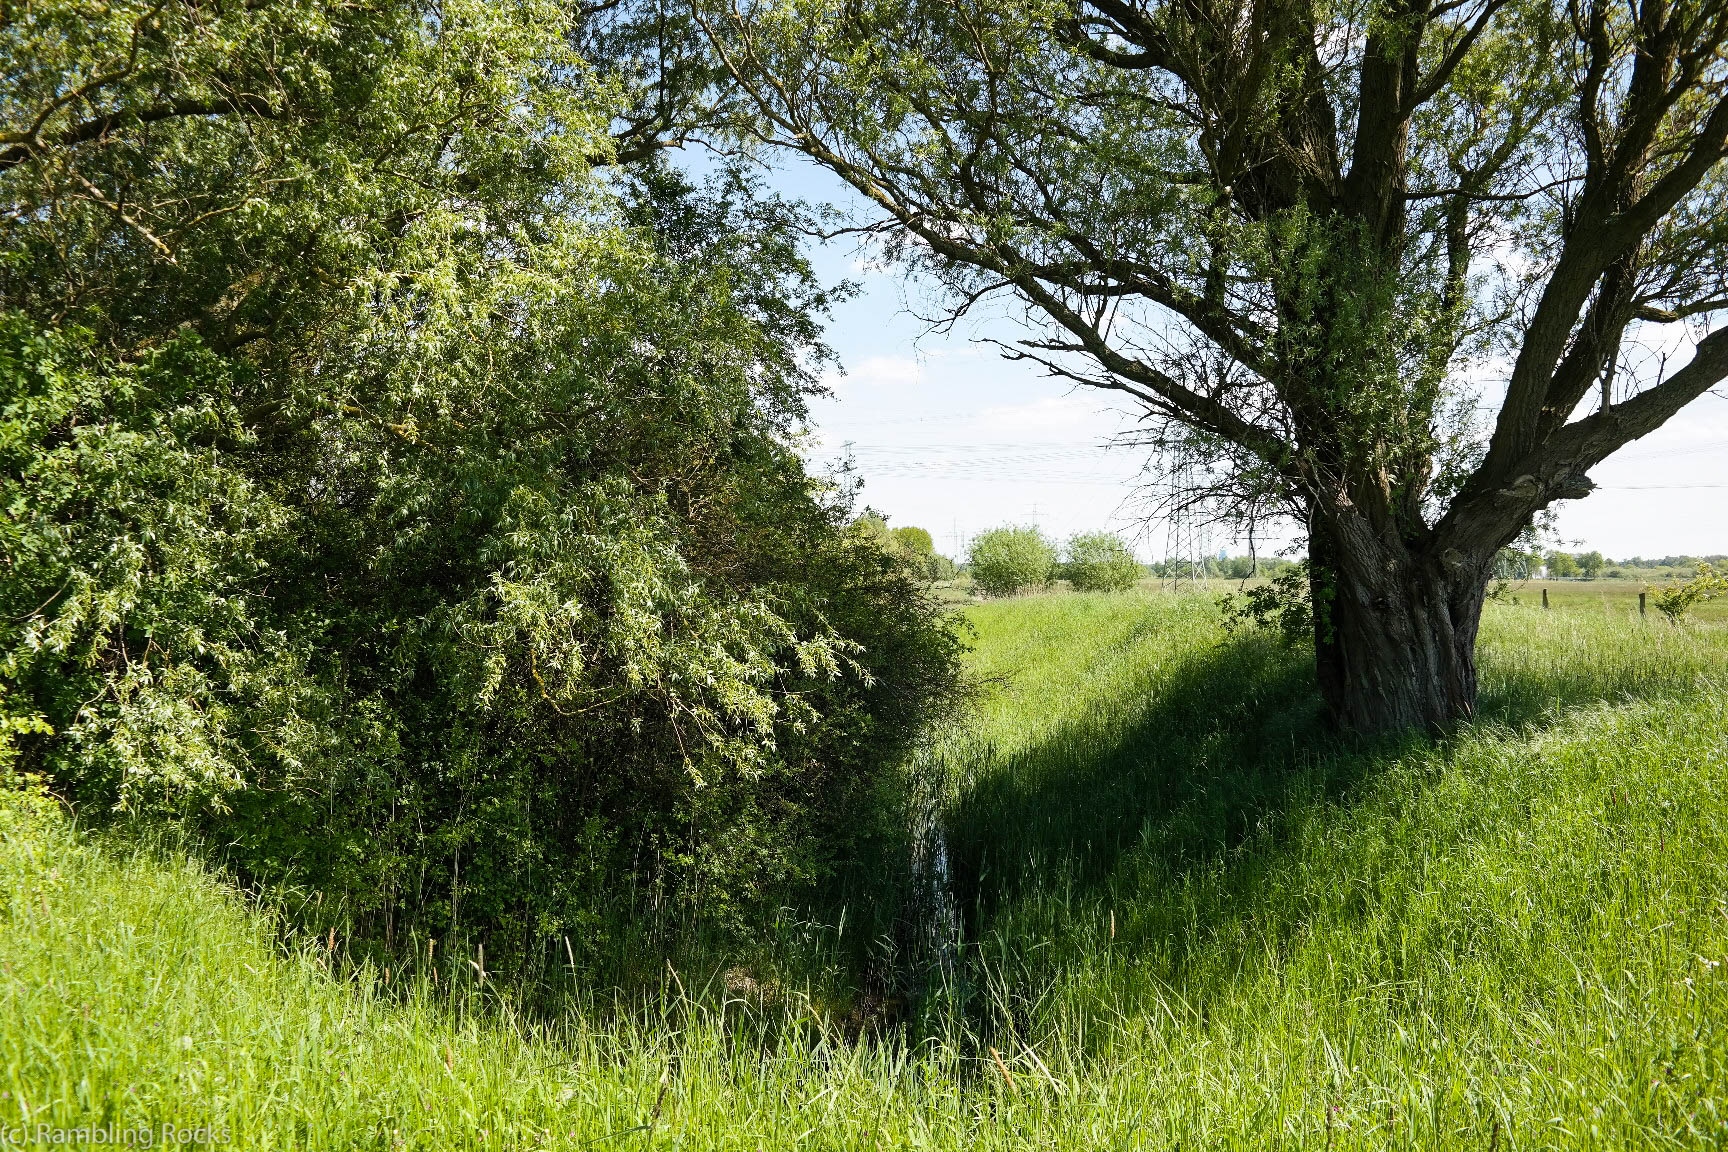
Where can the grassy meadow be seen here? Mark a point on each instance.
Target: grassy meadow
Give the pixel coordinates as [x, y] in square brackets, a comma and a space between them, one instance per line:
[1609, 597]
[1190, 919]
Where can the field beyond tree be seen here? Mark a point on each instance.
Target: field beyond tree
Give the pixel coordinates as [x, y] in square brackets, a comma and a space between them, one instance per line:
[1187, 917]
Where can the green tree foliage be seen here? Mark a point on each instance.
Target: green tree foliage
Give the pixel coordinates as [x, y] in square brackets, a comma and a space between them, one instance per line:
[1675, 600]
[1281, 606]
[14, 725]
[917, 546]
[1292, 234]
[873, 526]
[910, 545]
[1099, 562]
[1009, 560]
[404, 497]
[913, 540]
[1237, 567]
[1561, 565]
[1590, 564]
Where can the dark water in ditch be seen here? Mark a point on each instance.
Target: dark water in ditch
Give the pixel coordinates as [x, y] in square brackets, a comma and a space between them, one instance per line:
[936, 914]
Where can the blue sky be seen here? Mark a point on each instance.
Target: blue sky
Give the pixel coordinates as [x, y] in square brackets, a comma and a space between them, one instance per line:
[950, 436]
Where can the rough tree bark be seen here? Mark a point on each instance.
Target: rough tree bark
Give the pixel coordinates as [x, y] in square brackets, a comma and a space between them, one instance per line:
[1394, 632]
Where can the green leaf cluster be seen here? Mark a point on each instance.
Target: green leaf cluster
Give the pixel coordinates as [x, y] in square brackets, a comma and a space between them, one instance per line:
[1283, 605]
[404, 498]
[1099, 562]
[1010, 560]
[1675, 600]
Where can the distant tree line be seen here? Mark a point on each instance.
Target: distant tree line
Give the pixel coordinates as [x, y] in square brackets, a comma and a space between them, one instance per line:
[1528, 564]
[1017, 558]
[1677, 563]
[1222, 568]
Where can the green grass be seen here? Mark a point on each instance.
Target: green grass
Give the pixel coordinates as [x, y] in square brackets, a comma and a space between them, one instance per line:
[1192, 921]
[1617, 598]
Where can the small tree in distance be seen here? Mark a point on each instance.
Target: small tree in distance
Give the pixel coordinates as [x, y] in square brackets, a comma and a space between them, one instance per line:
[916, 545]
[1676, 600]
[1562, 565]
[1011, 559]
[1100, 562]
[913, 539]
[910, 544]
[1591, 564]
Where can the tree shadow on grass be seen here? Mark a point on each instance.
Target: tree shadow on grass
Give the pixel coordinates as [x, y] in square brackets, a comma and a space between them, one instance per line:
[1215, 755]
[1193, 768]
[1174, 809]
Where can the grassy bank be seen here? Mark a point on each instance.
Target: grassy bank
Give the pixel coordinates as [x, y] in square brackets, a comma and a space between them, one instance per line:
[1191, 920]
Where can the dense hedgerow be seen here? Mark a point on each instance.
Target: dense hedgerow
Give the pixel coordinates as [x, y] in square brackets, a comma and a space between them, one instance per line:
[404, 501]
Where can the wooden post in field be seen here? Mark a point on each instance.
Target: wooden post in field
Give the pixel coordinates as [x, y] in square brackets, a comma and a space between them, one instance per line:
[1641, 603]
[1544, 597]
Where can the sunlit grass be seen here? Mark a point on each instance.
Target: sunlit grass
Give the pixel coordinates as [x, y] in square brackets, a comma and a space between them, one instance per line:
[1515, 930]
[1193, 920]
[1608, 597]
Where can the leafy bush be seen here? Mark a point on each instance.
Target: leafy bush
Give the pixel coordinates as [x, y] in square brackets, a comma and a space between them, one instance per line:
[908, 544]
[1283, 605]
[466, 579]
[1675, 600]
[1100, 562]
[1008, 560]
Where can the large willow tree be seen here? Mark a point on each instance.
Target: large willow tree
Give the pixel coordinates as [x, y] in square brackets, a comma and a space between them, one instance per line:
[1314, 239]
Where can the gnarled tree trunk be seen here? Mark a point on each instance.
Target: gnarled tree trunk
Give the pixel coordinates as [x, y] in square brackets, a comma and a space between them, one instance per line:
[1394, 632]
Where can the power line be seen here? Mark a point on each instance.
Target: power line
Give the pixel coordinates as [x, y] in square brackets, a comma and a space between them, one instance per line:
[1027, 461]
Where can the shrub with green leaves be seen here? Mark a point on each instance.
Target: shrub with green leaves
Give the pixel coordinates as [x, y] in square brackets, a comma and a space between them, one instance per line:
[914, 543]
[1675, 600]
[1282, 605]
[1005, 561]
[909, 544]
[424, 526]
[1099, 562]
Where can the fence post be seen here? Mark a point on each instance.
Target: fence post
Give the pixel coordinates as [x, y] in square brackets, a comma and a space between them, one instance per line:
[1641, 603]
[1544, 597]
